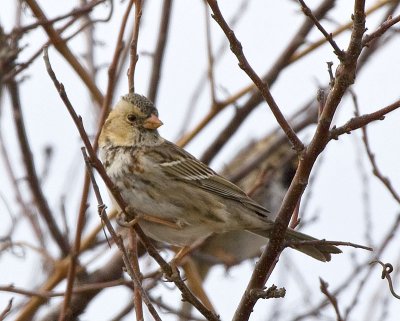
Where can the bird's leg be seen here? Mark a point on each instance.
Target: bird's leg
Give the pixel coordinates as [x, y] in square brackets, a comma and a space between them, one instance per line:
[195, 282]
[180, 254]
[183, 251]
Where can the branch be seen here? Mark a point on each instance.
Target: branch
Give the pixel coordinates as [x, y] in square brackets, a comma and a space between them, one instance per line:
[64, 50]
[158, 56]
[262, 86]
[331, 298]
[256, 98]
[363, 120]
[133, 46]
[76, 12]
[6, 310]
[345, 75]
[387, 269]
[380, 31]
[375, 169]
[32, 177]
[328, 36]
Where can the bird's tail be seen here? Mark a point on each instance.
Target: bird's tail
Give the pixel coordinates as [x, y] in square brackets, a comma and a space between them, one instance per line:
[321, 252]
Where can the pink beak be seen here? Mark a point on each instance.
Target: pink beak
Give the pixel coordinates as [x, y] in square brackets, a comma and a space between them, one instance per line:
[152, 122]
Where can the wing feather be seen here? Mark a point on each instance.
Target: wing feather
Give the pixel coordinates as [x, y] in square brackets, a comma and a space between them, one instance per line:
[186, 167]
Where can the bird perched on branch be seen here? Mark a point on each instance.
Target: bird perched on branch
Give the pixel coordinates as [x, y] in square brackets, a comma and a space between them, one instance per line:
[178, 199]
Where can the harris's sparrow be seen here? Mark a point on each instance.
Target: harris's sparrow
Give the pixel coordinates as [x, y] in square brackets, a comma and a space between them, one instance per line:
[180, 199]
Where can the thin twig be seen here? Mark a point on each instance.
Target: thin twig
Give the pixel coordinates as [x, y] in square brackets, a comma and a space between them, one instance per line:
[360, 121]
[158, 56]
[331, 298]
[6, 310]
[371, 157]
[133, 46]
[387, 268]
[137, 297]
[262, 86]
[33, 180]
[64, 50]
[381, 30]
[256, 98]
[210, 56]
[76, 12]
[316, 44]
[328, 36]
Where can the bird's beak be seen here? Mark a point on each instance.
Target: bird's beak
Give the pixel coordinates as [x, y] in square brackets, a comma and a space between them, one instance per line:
[152, 122]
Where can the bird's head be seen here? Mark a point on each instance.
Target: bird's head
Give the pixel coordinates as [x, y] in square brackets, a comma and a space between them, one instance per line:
[133, 120]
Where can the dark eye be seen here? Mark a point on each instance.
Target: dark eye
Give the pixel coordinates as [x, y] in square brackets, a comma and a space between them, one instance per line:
[131, 118]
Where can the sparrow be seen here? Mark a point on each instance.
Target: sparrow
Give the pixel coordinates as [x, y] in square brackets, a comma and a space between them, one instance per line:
[178, 199]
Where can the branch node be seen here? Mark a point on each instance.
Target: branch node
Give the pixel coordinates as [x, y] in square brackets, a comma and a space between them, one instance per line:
[270, 293]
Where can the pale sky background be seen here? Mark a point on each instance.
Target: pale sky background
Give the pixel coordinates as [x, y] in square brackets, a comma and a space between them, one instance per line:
[264, 30]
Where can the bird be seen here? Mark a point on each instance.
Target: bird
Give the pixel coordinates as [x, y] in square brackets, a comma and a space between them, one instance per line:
[178, 199]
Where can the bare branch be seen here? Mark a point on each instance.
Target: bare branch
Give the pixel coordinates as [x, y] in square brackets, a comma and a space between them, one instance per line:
[262, 86]
[133, 46]
[328, 36]
[64, 50]
[387, 269]
[158, 56]
[331, 298]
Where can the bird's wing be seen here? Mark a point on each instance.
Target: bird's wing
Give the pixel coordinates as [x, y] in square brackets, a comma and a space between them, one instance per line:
[181, 165]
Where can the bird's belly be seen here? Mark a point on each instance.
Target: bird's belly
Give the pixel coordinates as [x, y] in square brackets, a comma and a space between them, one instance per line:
[177, 218]
[180, 236]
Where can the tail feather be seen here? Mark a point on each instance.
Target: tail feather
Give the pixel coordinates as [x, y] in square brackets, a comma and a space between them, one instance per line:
[320, 252]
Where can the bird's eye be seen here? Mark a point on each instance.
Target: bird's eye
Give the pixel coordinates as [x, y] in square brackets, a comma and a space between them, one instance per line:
[131, 118]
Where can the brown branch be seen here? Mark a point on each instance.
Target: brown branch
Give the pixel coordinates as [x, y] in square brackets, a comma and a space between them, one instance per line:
[64, 50]
[371, 157]
[381, 30]
[328, 36]
[22, 66]
[133, 46]
[210, 56]
[338, 31]
[32, 177]
[6, 310]
[387, 268]
[219, 52]
[119, 45]
[72, 268]
[76, 12]
[179, 313]
[83, 288]
[137, 296]
[158, 56]
[26, 211]
[331, 298]
[96, 163]
[345, 75]
[262, 86]
[363, 120]
[256, 98]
